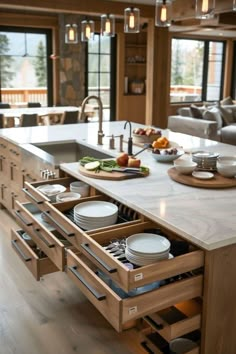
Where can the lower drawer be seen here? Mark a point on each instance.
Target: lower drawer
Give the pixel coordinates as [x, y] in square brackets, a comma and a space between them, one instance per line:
[120, 310]
[38, 264]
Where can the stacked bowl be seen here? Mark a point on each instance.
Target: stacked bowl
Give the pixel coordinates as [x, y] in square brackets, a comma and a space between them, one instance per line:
[205, 160]
[80, 187]
[95, 214]
[146, 248]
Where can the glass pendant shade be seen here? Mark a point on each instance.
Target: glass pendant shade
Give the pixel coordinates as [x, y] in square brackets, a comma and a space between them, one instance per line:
[163, 13]
[108, 25]
[71, 34]
[87, 30]
[205, 9]
[131, 20]
[234, 5]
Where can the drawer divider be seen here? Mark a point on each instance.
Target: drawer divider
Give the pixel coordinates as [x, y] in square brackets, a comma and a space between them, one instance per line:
[86, 247]
[99, 297]
[21, 253]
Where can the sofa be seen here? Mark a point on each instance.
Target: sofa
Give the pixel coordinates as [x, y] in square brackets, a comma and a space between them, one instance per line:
[213, 121]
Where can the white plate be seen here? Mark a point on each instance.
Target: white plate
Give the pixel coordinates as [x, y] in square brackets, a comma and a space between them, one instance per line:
[202, 175]
[51, 189]
[145, 243]
[96, 209]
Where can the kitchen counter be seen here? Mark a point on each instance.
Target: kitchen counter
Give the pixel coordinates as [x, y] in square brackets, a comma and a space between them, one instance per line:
[206, 217]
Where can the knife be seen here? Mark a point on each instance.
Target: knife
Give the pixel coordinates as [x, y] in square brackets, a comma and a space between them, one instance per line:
[128, 170]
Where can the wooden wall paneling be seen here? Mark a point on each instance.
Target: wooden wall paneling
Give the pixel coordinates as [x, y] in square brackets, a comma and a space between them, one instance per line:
[228, 68]
[150, 72]
[158, 100]
[120, 72]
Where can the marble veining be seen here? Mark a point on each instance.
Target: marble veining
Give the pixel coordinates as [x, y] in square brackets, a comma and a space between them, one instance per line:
[206, 217]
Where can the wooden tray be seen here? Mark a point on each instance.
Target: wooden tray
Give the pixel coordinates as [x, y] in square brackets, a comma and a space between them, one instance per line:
[217, 182]
[115, 176]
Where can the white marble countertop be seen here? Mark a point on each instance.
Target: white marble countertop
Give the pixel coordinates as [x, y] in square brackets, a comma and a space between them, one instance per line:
[206, 217]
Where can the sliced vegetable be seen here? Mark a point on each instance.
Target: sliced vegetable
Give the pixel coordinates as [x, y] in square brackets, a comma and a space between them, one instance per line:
[91, 166]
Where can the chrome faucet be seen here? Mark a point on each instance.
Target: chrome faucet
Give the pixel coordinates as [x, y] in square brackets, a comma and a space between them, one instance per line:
[100, 115]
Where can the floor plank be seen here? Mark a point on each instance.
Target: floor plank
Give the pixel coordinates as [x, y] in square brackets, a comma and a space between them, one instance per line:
[50, 316]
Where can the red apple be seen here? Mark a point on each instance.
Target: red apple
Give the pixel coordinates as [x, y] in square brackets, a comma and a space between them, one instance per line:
[122, 159]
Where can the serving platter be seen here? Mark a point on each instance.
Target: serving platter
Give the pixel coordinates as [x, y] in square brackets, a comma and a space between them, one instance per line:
[217, 181]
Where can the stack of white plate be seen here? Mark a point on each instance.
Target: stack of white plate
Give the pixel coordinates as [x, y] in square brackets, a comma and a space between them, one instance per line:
[146, 248]
[205, 160]
[95, 214]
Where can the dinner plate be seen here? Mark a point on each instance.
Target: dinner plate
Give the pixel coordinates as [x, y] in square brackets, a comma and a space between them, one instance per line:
[147, 243]
[202, 175]
[95, 209]
[51, 189]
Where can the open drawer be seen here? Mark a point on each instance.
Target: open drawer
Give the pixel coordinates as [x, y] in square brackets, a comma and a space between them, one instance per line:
[120, 310]
[47, 238]
[36, 261]
[36, 197]
[152, 342]
[61, 217]
[94, 246]
[177, 320]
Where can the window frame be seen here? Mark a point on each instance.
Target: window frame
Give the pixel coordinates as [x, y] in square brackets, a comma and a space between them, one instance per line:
[205, 67]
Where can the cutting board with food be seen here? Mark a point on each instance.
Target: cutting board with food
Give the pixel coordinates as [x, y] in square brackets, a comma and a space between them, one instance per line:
[123, 167]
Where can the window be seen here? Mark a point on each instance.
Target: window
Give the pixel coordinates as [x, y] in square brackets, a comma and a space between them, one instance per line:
[196, 70]
[101, 72]
[25, 65]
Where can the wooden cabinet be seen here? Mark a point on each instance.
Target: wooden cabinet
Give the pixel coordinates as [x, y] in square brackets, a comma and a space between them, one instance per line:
[117, 291]
[132, 74]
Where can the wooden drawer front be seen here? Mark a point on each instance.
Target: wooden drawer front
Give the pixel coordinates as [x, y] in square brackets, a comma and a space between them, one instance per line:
[153, 343]
[177, 320]
[119, 311]
[14, 152]
[3, 166]
[45, 239]
[129, 279]
[15, 175]
[34, 196]
[37, 266]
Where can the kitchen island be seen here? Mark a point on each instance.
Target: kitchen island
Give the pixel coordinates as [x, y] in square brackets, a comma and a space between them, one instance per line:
[203, 217]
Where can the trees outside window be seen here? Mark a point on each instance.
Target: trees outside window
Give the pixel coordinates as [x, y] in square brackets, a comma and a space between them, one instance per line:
[196, 70]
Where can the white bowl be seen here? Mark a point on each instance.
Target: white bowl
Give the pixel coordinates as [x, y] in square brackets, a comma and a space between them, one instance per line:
[162, 157]
[185, 166]
[67, 196]
[80, 187]
[226, 166]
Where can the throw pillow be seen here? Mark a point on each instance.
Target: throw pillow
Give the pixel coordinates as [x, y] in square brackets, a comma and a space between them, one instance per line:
[195, 112]
[227, 115]
[214, 115]
[227, 101]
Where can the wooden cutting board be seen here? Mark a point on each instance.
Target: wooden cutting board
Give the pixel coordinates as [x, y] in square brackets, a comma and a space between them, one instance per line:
[115, 176]
[217, 182]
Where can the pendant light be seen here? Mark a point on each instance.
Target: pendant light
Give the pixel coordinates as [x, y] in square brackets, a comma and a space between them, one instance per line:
[234, 5]
[87, 30]
[71, 34]
[131, 20]
[108, 25]
[163, 13]
[205, 9]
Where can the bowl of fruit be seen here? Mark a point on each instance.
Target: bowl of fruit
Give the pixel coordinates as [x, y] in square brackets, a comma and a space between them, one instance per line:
[166, 155]
[145, 135]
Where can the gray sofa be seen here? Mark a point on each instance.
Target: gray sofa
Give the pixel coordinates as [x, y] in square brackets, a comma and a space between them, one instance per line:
[214, 122]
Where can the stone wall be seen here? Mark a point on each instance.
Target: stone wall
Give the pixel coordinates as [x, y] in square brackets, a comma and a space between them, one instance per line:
[72, 64]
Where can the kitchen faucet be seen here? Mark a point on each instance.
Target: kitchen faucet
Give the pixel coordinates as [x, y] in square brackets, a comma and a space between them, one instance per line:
[100, 115]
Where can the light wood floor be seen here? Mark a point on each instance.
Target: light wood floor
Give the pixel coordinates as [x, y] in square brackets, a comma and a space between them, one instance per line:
[51, 316]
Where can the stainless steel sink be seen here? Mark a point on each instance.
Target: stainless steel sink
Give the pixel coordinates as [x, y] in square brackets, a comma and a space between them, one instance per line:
[61, 152]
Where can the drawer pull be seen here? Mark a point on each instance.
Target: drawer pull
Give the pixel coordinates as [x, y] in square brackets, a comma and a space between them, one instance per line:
[86, 247]
[21, 253]
[27, 223]
[43, 239]
[68, 234]
[98, 296]
[25, 190]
